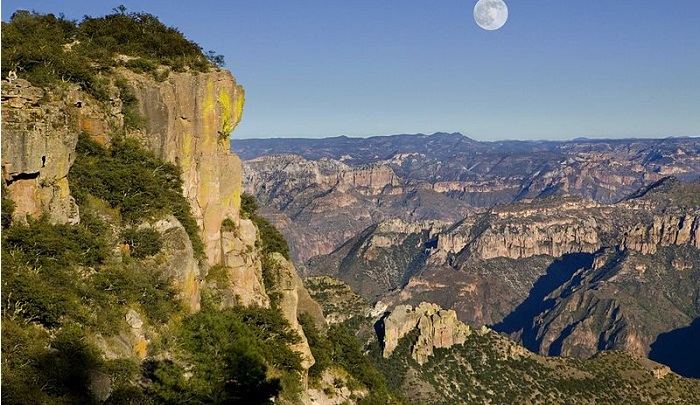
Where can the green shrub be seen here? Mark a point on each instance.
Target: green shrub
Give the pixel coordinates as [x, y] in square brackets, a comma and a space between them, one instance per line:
[8, 208]
[218, 274]
[249, 206]
[47, 245]
[348, 352]
[133, 179]
[143, 242]
[130, 106]
[37, 368]
[141, 65]
[113, 287]
[231, 351]
[227, 225]
[48, 50]
[320, 347]
[271, 239]
[269, 275]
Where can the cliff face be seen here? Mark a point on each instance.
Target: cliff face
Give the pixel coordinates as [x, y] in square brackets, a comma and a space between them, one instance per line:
[189, 121]
[242, 260]
[664, 230]
[442, 177]
[381, 259]
[564, 275]
[40, 131]
[291, 287]
[189, 118]
[625, 301]
[569, 276]
[530, 228]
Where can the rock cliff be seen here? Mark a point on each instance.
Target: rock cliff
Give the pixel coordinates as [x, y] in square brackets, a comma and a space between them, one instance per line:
[381, 259]
[242, 260]
[442, 177]
[190, 118]
[663, 231]
[40, 131]
[302, 198]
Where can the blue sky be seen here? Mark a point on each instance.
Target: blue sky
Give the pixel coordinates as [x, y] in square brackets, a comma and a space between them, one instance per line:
[558, 69]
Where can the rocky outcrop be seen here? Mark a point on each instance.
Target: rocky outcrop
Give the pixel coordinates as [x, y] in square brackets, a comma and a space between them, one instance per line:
[190, 117]
[176, 260]
[289, 285]
[320, 204]
[437, 328]
[553, 237]
[338, 301]
[241, 258]
[554, 227]
[369, 180]
[490, 173]
[624, 302]
[308, 179]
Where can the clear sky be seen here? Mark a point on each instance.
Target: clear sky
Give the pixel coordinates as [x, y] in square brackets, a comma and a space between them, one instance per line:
[558, 69]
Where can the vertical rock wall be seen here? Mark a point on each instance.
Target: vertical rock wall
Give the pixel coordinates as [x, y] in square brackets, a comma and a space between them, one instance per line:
[190, 117]
[39, 134]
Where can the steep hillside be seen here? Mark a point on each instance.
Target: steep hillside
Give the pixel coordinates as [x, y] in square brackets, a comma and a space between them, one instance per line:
[302, 198]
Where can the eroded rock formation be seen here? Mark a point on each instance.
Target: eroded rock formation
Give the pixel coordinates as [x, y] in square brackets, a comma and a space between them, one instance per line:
[437, 328]
[242, 260]
[663, 231]
[290, 285]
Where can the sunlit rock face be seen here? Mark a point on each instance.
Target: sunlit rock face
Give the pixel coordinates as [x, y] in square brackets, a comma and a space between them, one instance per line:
[437, 328]
[291, 288]
[39, 133]
[189, 120]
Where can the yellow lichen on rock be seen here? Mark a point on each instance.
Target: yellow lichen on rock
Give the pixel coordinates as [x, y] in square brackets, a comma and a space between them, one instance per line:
[140, 349]
[186, 114]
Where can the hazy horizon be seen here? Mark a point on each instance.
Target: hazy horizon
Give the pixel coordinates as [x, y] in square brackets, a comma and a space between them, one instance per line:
[556, 70]
[475, 138]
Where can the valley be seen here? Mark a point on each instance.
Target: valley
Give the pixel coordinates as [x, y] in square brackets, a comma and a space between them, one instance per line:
[570, 248]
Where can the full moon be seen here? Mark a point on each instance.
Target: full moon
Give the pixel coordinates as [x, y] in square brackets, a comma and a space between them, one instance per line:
[490, 14]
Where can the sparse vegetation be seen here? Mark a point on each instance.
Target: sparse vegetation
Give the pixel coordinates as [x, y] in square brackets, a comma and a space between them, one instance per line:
[227, 225]
[321, 348]
[483, 371]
